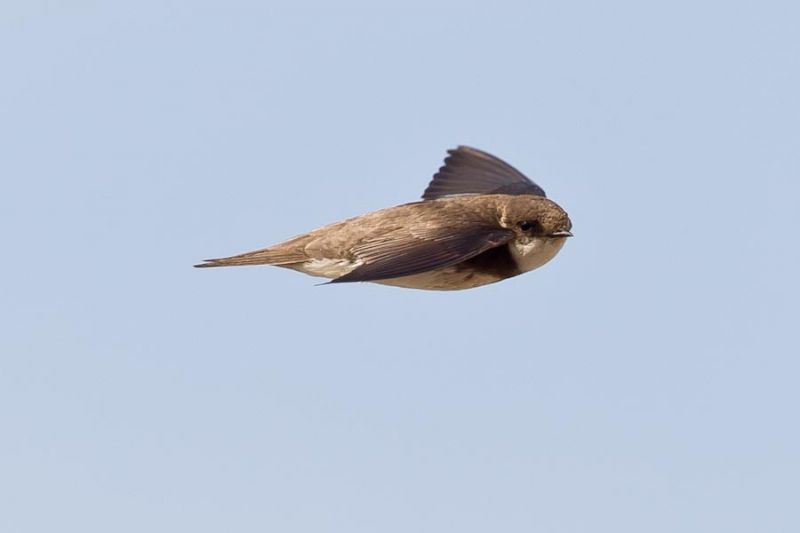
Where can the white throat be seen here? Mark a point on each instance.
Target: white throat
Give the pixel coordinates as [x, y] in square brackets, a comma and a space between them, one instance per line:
[535, 253]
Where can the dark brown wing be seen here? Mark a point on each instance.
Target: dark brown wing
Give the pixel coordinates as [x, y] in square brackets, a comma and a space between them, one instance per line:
[470, 171]
[409, 254]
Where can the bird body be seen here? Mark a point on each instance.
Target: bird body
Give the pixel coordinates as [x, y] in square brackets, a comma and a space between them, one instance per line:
[458, 237]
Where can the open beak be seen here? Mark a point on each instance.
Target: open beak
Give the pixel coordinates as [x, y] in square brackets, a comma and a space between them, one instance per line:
[564, 233]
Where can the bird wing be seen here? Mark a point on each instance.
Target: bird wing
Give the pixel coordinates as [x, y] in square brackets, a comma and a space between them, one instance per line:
[471, 171]
[415, 250]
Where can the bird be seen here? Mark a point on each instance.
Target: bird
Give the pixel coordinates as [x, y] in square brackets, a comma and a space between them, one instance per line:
[480, 221]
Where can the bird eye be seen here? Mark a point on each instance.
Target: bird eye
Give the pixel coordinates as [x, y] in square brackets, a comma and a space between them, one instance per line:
[527, 225]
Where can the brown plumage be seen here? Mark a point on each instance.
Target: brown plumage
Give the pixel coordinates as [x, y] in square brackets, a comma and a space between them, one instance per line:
[480, 221]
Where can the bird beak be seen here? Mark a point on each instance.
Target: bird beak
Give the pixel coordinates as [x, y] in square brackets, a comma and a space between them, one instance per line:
[564, 233]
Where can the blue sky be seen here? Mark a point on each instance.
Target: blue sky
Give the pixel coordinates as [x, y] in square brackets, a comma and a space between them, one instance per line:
[644, 380]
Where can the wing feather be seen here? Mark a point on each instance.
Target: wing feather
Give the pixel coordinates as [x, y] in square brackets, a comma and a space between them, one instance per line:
[409, 253]
[471, 171]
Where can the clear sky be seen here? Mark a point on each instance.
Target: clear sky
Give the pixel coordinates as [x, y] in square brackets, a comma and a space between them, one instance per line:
[646, 380]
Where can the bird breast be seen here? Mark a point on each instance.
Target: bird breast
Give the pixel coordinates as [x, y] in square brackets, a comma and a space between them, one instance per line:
[536, 252]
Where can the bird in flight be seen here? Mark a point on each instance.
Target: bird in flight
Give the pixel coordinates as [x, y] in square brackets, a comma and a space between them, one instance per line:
[480, 221]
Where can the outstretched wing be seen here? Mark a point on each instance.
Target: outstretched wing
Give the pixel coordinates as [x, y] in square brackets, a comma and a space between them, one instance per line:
[414, 252]
[470, 171]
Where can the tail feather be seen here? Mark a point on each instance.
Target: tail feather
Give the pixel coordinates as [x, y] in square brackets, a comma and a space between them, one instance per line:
[267, 256]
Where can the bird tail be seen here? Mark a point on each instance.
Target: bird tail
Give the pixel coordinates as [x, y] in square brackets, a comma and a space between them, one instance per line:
[266, 256]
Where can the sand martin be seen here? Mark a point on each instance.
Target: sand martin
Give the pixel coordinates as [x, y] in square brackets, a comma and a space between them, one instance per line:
[480, 221]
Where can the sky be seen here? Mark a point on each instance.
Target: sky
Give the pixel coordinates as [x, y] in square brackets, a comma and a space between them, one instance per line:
[644, 380]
